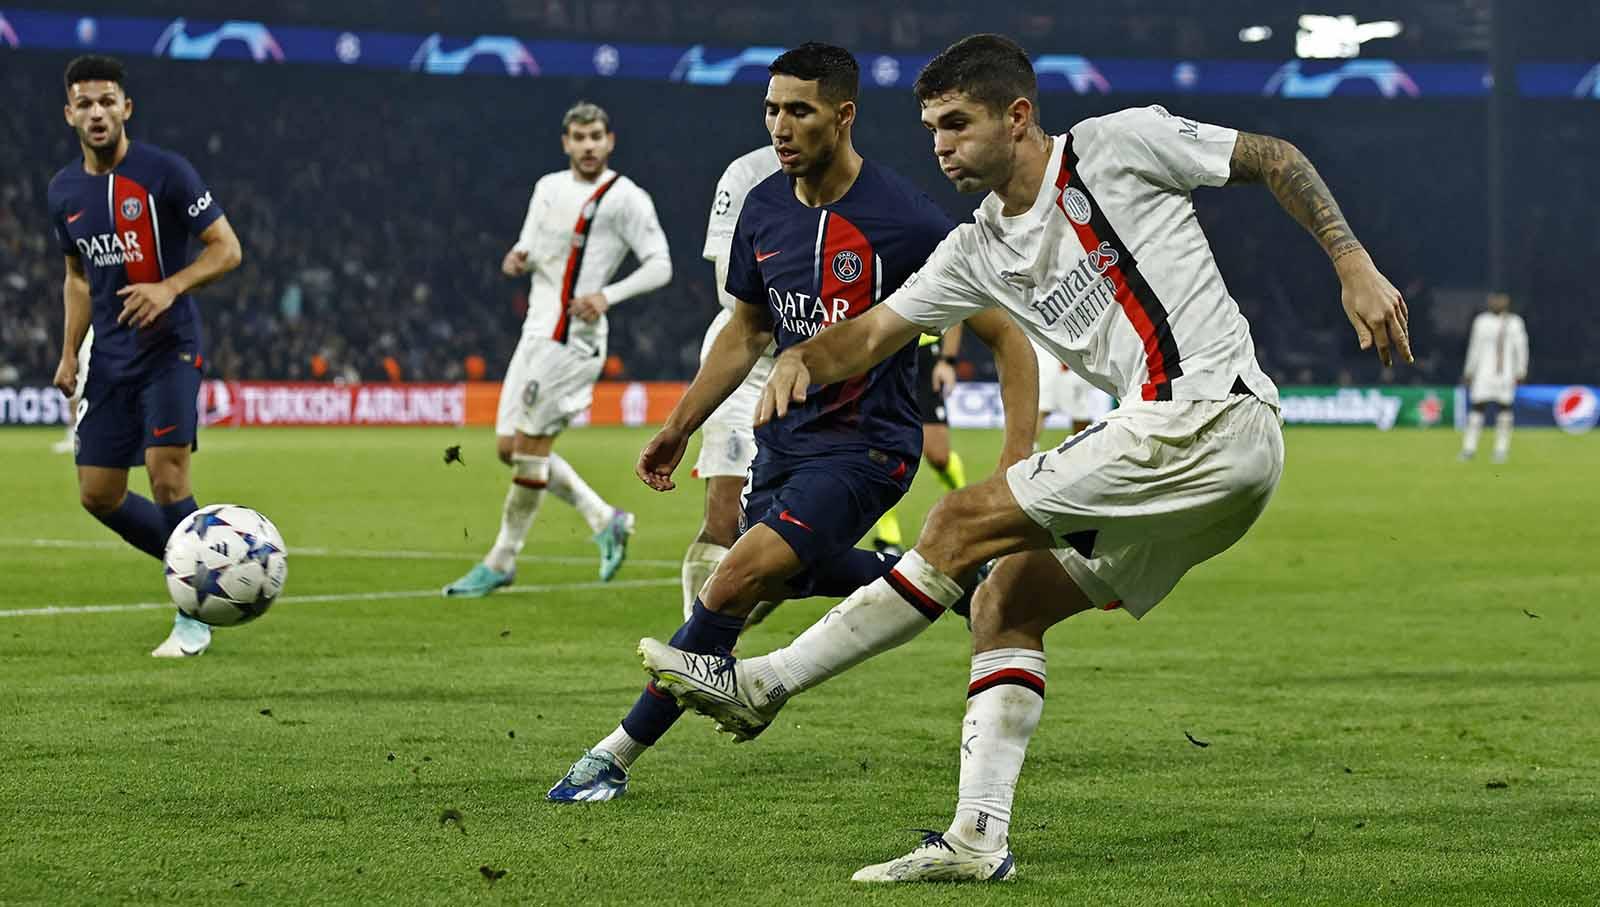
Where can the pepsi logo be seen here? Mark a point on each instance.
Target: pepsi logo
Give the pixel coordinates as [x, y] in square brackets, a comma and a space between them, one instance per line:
[1576, 409]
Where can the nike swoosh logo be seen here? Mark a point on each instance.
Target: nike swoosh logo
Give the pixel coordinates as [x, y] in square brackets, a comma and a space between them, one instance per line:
[73, 218]
[763, 256]
[788, 517]
[158, 432]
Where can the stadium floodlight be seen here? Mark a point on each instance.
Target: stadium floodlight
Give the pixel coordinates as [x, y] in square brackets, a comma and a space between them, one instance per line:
[1335, 37]
[1255, 34]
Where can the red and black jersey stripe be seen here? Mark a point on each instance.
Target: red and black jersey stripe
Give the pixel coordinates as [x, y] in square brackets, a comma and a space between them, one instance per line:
[580, 241]
[845, 270]
[1134, 294]
[130, 197]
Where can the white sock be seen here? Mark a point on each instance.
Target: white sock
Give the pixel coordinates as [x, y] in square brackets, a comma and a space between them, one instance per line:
[1004, 703]
[876, 618]
[699, 562]
[566, 484]
[530, 474]
[1469, 441]
[624, 748]
[1502, 433]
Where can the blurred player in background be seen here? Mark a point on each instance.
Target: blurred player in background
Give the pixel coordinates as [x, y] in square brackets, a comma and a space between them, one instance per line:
[936, 376]
[1064, 392]
[124, 215]
[728, 437]
[1090, 241]
[581, 223]
[819, 243]
[1497, 361]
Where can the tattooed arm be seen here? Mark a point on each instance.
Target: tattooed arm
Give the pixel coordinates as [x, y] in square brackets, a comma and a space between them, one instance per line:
[1375, 308]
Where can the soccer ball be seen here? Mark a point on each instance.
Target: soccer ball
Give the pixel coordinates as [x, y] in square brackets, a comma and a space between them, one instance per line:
[225, 564]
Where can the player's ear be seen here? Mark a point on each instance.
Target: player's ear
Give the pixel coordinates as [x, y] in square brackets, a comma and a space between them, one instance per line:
[847, 114]
[1018, 116]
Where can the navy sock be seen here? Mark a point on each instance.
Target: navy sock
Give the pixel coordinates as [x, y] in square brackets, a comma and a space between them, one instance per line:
[175, 512]
[139, 521]
[840, 575]
[705, 632]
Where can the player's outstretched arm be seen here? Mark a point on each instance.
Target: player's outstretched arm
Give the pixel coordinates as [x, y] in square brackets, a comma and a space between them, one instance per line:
[841, 351]
[75, 300]
[737, 347]
[1375, 308]
[1018, 366]
[143, 303]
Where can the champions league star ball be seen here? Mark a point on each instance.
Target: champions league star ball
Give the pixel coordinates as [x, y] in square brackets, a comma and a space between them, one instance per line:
[225, 564]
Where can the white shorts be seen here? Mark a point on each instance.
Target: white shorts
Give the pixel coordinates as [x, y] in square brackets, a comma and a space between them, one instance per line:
[728, 438]
[1066, 393]
[1138, 498]
[1486, 388]
[547, 385]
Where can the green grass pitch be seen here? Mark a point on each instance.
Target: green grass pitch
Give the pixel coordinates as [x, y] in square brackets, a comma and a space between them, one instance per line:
[1397, 673]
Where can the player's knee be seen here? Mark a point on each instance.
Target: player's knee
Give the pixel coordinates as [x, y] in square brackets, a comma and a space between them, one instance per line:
[721, 532]
[937, 458]
[503, 449]
[100, 501]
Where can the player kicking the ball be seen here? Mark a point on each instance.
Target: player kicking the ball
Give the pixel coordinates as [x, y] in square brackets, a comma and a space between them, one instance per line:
[124, 216]
[1090, 241]
[582, 221]
[821, 242]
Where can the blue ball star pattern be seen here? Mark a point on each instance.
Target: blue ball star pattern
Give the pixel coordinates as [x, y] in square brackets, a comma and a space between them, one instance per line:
[259, 549]
[205, 582]
[204, 521]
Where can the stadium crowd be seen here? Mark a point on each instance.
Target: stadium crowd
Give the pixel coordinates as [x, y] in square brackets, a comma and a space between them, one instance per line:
[374, 209]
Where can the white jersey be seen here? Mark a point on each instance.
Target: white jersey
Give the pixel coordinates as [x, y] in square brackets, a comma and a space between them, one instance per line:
[1497, 352]
[1109, 270]
[741, 176]
[727, 439]
[576, 235]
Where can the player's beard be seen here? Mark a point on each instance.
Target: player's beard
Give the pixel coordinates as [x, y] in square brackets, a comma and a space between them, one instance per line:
[108, 145]
[821, 162]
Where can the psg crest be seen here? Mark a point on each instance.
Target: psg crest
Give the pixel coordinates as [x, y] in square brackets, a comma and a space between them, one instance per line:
[847, 266]
[131, 209]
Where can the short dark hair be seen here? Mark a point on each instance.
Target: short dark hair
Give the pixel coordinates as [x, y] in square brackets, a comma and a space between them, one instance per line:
[95, 68]
[835, 71]
[991, 69]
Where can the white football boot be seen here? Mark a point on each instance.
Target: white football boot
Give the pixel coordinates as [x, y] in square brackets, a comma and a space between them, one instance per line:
[716, 686]
[188, 637]
[939, 860]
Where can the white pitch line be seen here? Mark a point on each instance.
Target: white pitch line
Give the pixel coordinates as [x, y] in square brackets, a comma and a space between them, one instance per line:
[355, 553]
[51, 610]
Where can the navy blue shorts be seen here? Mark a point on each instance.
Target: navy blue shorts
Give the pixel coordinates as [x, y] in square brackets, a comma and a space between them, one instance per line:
[824, 505]
[118, 419]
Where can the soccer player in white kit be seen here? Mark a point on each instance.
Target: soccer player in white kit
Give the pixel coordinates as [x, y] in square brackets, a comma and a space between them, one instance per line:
[1065, 392]
[728, 438]
[581, 222]
[1089, 240]
[1497, 361]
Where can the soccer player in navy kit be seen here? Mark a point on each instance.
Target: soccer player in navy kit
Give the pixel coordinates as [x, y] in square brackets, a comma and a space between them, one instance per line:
[123, 217]
[820, 242]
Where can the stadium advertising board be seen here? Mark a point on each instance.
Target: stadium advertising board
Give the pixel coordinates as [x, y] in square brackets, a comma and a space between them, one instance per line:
[518, 56]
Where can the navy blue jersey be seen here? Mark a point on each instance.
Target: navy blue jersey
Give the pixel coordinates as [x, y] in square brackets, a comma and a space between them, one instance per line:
[129, 226]
[813, 267]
